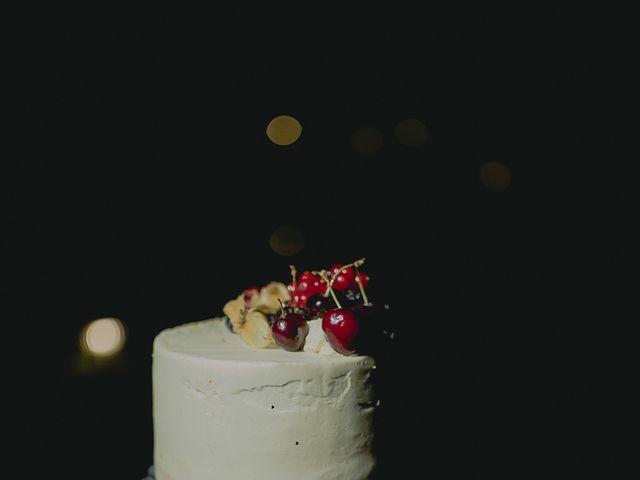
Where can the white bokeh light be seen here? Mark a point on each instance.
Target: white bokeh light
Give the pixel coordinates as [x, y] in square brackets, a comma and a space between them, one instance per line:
[103, 338]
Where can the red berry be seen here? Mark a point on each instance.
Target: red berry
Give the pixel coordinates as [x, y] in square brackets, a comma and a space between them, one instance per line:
[341, 327]
[362, 278]
[318, 285]
[290, 331]
[318, 304]
[305, 284]
[343, 277]
[310, 284]
[306, 276]
[300, 299]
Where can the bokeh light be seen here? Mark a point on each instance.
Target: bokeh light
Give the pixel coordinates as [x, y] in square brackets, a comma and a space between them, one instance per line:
[284, 130]
[495, 176]
[286, 241]
[411, 133]
[366, 140]
[103, 338]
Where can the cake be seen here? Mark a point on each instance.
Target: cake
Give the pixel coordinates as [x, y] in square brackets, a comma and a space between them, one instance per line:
[226, 407]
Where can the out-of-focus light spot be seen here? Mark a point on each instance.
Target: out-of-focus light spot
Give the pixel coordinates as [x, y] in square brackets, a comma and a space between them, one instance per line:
[103, 338]
[286, 241]
[284, 130]
[412, 133]
[495, 176]
[366, 140]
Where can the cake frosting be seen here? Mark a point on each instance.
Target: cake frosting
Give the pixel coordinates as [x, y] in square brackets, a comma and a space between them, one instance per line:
[225, 410]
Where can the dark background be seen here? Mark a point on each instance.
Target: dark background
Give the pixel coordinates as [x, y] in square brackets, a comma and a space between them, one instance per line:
[138, 182]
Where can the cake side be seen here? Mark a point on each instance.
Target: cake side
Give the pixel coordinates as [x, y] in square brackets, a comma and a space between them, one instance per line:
[222, 409]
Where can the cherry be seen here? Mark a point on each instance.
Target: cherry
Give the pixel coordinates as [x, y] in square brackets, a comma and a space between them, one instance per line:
[341, 327]
[342, 277]
[290, 330]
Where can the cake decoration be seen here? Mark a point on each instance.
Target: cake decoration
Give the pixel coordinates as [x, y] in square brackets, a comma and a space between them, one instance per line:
[320, 311]
[290, 329]
[249, 314]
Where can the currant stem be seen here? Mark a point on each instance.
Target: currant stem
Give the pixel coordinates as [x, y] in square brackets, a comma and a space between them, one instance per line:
[292, 269]
[323, 274]
[364, 295]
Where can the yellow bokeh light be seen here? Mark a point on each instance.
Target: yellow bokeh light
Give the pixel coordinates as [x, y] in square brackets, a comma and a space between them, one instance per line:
[284, 130]
[103, 338]
[495, 176]
[366, 140]
[286, 241]
[412, 133]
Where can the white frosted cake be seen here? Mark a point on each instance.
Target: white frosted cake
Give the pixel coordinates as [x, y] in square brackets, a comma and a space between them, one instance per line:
[223, 410]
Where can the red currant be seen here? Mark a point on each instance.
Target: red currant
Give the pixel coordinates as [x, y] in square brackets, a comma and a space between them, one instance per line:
[318, 285]
[305, 284]
[362, 278]
[306, 276]
[300, 299]
[342, 277]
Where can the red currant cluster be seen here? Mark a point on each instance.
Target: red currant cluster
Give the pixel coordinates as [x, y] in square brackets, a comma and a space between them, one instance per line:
[316, 295]
[336, 296]
[345, 279]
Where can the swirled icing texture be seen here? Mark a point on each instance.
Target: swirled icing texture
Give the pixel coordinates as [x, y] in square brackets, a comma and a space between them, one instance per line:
[222, 410]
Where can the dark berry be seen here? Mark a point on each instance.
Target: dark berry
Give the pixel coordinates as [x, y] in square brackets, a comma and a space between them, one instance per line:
[318, 304]
[227, 322]
[353, 296]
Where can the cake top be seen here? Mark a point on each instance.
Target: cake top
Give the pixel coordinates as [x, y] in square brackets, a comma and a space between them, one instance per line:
[211, 339]
[324, 311]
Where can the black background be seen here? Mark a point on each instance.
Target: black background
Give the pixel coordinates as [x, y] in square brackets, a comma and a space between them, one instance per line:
[138, 182]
